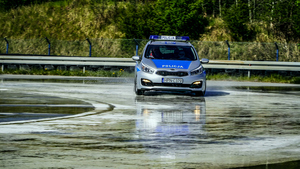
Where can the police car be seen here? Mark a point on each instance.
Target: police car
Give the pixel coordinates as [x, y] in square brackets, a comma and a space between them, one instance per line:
[169, 63]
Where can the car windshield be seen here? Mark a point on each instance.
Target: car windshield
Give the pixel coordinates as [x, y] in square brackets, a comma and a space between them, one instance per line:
[170, 52]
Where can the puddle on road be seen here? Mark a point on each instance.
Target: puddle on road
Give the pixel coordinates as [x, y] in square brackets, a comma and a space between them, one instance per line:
[23, 106]
[285, 165]
[165, 126]
[277, 89]
[168, 121]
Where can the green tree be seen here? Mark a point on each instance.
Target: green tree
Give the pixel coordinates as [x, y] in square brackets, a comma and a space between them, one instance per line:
[180, 17]
[134, 20]
[286, 20]
[167, 17]
[236, 19]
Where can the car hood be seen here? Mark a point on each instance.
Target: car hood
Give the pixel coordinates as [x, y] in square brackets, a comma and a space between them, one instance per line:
[172, 64]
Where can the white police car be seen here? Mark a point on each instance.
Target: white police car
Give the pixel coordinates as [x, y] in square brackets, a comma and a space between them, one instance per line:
[169, 63]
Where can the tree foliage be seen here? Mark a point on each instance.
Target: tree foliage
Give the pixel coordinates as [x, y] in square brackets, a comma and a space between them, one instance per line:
[236, 18]
[281, 16]
[286, 20]
[140, 18]
[167, 17]
[9, 4]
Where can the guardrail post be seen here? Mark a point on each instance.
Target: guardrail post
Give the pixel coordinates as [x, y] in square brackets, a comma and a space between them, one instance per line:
[136, 47]
[277, 51]
[90, 46]
[228, 49]
[7, 45]
[49, 45]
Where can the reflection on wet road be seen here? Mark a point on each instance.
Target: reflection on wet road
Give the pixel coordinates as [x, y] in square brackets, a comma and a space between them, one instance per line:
[171, 125]
[234, 125]
[170, 122]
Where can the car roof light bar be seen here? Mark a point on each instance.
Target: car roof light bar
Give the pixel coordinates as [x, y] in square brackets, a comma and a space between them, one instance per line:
[169, 38]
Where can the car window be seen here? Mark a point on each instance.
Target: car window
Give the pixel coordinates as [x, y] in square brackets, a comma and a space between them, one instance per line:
[168, 52]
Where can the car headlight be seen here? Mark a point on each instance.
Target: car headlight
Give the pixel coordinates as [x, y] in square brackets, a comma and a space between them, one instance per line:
[198, 70]
[147, 69]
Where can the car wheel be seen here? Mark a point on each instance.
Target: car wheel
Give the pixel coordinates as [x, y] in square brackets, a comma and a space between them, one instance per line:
[201, 93]
[136, 90]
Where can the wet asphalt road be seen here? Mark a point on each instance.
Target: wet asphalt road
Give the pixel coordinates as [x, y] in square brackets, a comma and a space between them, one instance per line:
[100, 123]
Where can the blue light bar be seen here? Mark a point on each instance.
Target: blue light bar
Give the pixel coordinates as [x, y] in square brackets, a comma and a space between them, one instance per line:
[169, 38]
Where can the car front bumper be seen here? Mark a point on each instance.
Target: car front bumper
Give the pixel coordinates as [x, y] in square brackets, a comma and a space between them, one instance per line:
[147, 81]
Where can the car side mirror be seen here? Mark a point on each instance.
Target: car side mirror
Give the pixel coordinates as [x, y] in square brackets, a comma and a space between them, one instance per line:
[204, 60]
[136, 58]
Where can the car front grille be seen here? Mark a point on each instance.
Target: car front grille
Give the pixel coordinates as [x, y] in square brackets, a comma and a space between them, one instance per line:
[171, 84]
[166, 73]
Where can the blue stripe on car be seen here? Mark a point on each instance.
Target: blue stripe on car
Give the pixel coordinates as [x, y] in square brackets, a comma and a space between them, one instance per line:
[175, 64]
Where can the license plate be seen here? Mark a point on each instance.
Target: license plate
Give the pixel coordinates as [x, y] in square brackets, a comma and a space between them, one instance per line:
[172, 80]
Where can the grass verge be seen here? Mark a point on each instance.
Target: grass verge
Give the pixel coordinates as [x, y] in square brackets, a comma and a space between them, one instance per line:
[274, 78]
[99, 73]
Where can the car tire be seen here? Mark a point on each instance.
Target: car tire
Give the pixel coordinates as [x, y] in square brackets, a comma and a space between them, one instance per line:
[201, 93]
[136, 90]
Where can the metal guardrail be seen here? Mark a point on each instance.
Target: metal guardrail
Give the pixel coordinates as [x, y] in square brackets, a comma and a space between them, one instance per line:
[66, 61]
[128, 62]
[254, 65]
[213, 50]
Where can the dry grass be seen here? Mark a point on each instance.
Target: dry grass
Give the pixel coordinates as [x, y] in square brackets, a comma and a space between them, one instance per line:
[66, 21]
[216, 31]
